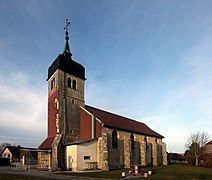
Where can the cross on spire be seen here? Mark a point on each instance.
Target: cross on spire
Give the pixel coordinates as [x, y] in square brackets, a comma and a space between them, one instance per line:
[67, 24]
[66, 51]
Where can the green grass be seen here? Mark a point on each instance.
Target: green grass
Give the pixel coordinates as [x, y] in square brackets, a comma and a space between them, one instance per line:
[181, 171]
[175, 171]
[172, 172]
[115, 174]
[4, 176]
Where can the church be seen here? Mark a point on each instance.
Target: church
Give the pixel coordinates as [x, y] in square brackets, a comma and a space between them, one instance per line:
[82, 137]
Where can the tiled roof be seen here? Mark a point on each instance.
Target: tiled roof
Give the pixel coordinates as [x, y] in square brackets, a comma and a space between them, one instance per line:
[210, 142]
[15, 150]
[47, 143]
[119, 122]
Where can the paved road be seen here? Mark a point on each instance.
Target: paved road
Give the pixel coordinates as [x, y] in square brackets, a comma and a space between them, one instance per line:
[36, 173]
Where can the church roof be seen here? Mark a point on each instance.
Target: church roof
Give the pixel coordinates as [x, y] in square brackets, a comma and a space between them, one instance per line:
[122, 123]
[210, 142]
[47, 143]
[15, 150]
[66, 64]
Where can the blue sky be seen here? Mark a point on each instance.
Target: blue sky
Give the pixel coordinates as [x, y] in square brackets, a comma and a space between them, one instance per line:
[145, 59]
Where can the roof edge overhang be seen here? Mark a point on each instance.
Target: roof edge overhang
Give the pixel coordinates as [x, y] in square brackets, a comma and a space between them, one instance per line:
[140, 133]
[80, 142]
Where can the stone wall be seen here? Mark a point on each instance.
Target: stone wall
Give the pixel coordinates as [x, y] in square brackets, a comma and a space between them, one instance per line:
[102, 152]
[57, 154]
[44, 160]
[69, 101]
[164, 154]
[147, 150]
[143, 152]
[208, 148]
[126, 153]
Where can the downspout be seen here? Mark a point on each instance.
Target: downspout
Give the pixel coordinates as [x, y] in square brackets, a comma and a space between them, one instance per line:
[93, 127]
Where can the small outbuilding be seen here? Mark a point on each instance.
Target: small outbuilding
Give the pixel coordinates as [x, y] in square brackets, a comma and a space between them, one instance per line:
[19, 154]
[81, 155]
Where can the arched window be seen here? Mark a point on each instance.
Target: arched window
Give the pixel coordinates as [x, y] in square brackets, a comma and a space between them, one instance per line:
[52, 83]
[74, 84]
[114, 140]
[69, 82]
[132, 141]
[145, 141]
[56, 103]
[73, 101]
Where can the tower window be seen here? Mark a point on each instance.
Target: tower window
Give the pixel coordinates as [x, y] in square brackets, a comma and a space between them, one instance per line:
[52, 83]
[74, 84]
[114, 140]
[69, 82]
[56, 103]
[145, 140]
[132, 141]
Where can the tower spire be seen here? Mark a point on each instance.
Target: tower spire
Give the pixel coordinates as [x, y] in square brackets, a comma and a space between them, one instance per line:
[66, 51]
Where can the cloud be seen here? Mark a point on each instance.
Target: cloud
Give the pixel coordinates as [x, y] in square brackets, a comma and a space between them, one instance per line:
[23, 108]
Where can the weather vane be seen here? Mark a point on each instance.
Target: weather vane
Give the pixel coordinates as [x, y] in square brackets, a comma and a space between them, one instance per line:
[67, 24]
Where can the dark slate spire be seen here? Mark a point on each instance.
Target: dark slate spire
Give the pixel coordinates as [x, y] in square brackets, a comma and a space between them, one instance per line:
[66, 51]
[64, 61]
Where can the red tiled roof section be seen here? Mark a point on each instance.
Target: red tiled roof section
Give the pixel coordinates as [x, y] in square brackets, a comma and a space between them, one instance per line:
[119, 122]
[210, 142]
[47, 143]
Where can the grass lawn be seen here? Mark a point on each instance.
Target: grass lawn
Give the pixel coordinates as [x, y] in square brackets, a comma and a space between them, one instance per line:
[175, 171]
[181, 171]
[19, 177]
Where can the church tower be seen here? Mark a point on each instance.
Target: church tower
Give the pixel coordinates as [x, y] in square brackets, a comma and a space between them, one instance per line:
[65, 96]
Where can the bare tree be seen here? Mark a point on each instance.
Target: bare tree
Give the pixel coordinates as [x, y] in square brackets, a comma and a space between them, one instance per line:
[196, 144]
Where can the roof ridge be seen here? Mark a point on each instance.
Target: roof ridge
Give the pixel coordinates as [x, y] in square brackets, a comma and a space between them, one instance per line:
[113, 113]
